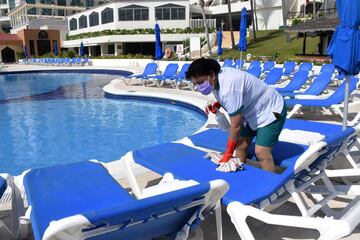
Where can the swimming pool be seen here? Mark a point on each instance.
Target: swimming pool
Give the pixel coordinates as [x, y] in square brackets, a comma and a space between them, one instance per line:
[56, 118]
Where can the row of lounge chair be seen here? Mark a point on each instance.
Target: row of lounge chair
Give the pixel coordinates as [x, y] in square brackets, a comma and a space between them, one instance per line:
[83, 201]
[298, 92]
[56, 61]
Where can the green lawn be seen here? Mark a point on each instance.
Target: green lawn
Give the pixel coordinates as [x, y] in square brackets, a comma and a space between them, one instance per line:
[268, 43]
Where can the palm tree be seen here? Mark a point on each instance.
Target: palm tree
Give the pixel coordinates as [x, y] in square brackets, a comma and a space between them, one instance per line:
[206, 25]
[253, 18]
[230, 24]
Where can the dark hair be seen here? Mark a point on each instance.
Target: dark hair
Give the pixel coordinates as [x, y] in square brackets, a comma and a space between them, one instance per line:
[202, 67]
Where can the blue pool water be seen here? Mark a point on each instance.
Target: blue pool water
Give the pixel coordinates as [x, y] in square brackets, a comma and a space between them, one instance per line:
[57, 118]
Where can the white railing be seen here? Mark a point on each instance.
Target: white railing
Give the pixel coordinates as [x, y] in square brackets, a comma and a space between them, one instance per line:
[199, 23]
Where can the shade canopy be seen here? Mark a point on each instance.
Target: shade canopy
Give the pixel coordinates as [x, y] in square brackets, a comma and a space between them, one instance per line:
[219, 38]
[242, 32]
[158, 49]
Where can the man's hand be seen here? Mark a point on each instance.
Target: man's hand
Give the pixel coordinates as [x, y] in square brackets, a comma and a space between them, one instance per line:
[233, 165]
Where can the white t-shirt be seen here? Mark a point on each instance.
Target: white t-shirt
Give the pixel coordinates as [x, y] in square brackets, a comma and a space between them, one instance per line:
[241, 92]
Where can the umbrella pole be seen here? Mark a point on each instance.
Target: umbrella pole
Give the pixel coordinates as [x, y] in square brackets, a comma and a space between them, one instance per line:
[346, 101]
[240, 59]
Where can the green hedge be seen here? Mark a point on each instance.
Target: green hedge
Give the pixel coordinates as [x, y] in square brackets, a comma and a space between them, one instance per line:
[136, 31]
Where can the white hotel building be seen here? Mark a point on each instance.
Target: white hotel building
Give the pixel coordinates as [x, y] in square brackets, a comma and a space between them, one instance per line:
[78, 18]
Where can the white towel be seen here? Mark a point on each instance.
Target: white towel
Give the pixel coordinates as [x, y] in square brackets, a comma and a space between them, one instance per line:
[300, 137]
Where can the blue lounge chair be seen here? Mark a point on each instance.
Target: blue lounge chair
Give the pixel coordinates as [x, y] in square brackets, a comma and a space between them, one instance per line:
[268, 66]
[333, 102]
[84, 61]
[254, 189]
[83, 201]
[150, 69]
[179, 80]
[289, 68]
[9, 215]
[255, 71]
[296, 82]
[274, 76]
[328, 68]
[305, 66]
[227, 63]
[239, 64]
[318, 86]
[255, 63]
[158, 80]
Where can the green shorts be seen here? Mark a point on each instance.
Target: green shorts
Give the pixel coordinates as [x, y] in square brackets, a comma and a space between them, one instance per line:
[267, 136]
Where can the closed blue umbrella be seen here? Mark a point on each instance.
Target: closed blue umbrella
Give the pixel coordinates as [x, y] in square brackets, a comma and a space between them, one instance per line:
[242, 32]
[55, 48]
[82, 49]
[219, 38]
[344, 47]
[158, 49]
[25, 52]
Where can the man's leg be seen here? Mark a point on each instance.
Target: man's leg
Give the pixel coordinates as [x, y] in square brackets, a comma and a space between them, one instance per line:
[264, 155]
[242, 147]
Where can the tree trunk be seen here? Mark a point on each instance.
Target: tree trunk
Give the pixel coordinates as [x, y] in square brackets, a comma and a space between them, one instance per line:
[256, 19]
[206, 25]
[285, 13]
[231, 25]
[253, 18]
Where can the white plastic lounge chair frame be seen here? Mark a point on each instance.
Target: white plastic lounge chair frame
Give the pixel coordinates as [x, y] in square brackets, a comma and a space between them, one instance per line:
[335, 109]
[239, 212]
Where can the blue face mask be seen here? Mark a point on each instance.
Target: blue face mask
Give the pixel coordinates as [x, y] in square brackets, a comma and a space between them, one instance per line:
[205, 88]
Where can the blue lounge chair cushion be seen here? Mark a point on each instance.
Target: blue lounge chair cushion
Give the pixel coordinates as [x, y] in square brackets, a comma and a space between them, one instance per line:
[255, 71]
[319, 84]
[332, 132]
[289, 68]
[305, 66]
[268, 66]
[249, 186]
[62, 191]
[274, 76]
[296, 83]
[86, 188]
[150, 69]
[3, 186]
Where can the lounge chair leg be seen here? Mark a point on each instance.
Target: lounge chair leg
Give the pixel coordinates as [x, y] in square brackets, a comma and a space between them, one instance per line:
[127, 160]
[218, 221]
[295, 109]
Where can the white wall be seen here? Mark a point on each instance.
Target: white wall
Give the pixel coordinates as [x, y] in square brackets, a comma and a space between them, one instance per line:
[127, 38]
[133, 24]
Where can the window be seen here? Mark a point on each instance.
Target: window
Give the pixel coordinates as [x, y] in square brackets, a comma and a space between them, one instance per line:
[133, 13]
[73, 24]
[43, 35]
[82, 22]
[90, 3]
[94, 19]
[170, 12]
[107, 15]
[61, 12]
[75, 3]
[111, 49]
[31, 11]
[46, 11]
